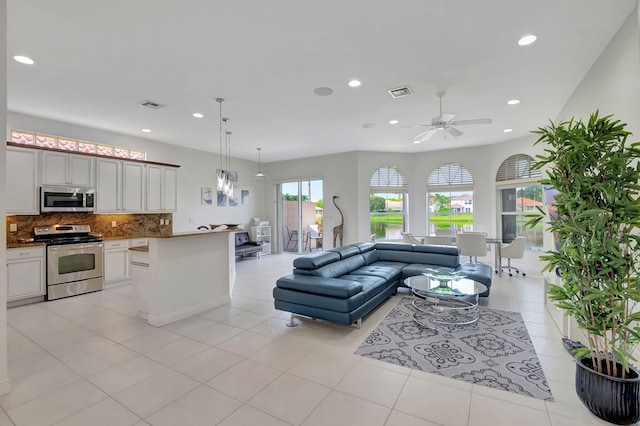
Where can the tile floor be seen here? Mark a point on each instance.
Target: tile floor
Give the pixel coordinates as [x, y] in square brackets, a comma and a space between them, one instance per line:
[89, 360]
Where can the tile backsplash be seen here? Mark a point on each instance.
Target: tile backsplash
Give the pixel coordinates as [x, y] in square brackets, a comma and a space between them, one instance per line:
[127, 225]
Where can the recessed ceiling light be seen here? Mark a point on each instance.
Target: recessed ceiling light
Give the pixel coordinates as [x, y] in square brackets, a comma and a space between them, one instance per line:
[354, 83]
[508, 130]
[527, 40]
[514, 102]
[24, 60]
[146, 130]
[197, 115]
[416, 141]
[393, 122]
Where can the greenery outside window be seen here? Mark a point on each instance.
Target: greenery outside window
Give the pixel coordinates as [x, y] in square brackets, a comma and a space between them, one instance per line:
[449, 200]
[388, 203]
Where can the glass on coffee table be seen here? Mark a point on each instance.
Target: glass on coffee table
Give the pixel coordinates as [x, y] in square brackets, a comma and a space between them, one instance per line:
[444, 296]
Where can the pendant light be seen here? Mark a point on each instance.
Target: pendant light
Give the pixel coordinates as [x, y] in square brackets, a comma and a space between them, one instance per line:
[220, 174]
[229, 188]
[259, 175]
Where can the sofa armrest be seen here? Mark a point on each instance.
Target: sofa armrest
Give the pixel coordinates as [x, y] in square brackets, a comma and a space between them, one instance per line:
[332, 287]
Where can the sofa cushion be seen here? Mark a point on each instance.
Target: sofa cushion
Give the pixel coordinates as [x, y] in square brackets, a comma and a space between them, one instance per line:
[242, 238]
[389, 273]
[324, 286]
[315, 260]
[370, 257]
[370, 285]
[364, 247]
[414, 269]
[337, 304]
[480, 272]
[339, 268]
[393, 246]
[345, 251]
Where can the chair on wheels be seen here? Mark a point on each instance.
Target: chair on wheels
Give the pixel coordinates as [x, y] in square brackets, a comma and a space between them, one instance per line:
[472, 245]
[408, 237]
[293, 238]
[313, 234]
[514, 250]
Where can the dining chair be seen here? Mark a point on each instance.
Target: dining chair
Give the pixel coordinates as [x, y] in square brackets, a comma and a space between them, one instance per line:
[293, 237]
[408, 237]
[514, 250]
[472, 245]
[438, 240]
[313, 234]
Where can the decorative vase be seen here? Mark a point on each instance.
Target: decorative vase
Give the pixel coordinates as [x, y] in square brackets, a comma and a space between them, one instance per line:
[613, 399]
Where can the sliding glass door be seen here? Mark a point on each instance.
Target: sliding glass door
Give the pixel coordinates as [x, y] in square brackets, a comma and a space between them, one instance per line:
[301, 216]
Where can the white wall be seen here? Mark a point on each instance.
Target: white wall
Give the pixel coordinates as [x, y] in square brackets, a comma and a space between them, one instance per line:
[197, 170]
[5, 383]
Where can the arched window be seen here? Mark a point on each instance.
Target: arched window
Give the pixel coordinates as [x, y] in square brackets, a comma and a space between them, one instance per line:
[520, 194]
[449, 200]
[388, 203]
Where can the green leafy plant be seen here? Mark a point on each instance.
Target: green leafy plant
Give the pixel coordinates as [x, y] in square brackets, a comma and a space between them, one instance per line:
[597, 219]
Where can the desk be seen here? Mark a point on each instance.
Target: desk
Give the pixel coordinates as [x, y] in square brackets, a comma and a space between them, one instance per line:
[497, 261]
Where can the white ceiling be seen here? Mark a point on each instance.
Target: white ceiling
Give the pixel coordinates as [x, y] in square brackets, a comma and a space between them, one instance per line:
[96, 59]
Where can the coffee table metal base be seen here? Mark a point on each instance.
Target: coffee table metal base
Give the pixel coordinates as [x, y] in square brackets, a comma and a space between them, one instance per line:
[445, 310]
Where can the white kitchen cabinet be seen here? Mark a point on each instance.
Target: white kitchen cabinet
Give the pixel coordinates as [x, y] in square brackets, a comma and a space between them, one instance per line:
[116, 261]
[67, 169]
[22, 181]
[262, 234]
[119, 186]
[25, 273]
[162, 188]
[133, 187]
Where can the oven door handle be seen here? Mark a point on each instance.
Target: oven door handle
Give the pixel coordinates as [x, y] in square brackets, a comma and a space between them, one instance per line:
[76, 246]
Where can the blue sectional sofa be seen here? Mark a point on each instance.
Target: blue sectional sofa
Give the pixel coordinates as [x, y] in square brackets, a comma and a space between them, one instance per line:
[344, 284]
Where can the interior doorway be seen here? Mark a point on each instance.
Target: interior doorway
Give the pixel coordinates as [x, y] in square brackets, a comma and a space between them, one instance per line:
[301, 219]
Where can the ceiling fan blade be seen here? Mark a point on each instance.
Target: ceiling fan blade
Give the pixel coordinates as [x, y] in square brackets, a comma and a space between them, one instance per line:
[473, 121]
[425, 135]
[453, 131]
[416, 125]
[447, 117]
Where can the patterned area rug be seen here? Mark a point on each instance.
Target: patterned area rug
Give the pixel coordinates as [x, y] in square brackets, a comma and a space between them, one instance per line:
[497, 352]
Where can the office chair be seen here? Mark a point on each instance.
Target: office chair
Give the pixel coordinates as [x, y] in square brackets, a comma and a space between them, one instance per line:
[515, 250]
[472, 245]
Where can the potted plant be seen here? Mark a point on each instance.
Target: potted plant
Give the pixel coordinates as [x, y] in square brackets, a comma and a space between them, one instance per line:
[596, 219]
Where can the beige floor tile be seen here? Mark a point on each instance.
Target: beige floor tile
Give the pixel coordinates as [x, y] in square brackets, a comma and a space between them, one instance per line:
[442, 380]
[149, 395]
[97, 361]
[150, 341]
[514, 398]
[244, 380]
[4, 419]
[558, 420]
[273, 327]
[221, 313]
[33, 386]
[290, 398]
[489, 411]
[31, 364]
[339, 408]
[246, 343]
[373, 384]
[246, 320]
[434, 402]
[324, 368]
[125, 374]
[397, 418]
[79, 348]
[285, 352]
[558, 369]
[202, 406]
[177, 351]
[215, 334]
[566, 403]
[248, 416]
[133, 328]
[56, 405]
[104, 413]
[207, 364]
[188, 326]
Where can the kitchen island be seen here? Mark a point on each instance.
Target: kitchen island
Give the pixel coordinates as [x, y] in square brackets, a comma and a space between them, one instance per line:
[184, 274]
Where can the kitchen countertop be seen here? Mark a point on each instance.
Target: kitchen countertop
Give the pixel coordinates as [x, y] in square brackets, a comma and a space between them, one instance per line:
[25, 245]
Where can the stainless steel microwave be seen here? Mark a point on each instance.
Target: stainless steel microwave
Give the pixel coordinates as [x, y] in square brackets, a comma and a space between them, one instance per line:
[67, 199]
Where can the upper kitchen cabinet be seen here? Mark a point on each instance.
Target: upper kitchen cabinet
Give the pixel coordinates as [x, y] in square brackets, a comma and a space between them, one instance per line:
[119, 186]
[67, 169]
[162, 188]
[22, 181]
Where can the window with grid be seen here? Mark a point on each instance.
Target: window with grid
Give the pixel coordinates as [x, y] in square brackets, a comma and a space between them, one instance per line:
[387, 203]
[449, 200]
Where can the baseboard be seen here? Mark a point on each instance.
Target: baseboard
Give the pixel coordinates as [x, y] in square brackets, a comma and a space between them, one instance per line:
[160, 320]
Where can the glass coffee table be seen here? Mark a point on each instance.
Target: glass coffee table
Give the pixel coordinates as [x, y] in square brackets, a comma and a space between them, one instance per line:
[444, 297]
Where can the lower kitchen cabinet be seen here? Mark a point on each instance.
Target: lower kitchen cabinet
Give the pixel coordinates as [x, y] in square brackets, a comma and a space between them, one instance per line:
[117, 270]
[25, 273]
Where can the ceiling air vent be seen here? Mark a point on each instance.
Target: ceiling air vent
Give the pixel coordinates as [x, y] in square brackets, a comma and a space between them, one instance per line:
[399, 92]
[151, 104]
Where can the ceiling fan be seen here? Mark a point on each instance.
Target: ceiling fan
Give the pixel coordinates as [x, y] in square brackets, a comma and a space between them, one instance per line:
[445, 122]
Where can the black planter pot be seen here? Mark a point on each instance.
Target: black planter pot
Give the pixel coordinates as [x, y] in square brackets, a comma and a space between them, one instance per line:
[610, 398]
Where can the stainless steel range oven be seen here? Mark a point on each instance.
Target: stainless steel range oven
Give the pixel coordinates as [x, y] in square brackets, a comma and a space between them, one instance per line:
[74, 260]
